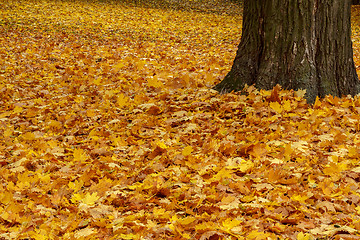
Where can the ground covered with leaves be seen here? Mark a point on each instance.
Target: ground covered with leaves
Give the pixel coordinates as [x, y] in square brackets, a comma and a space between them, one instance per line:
[109, 129]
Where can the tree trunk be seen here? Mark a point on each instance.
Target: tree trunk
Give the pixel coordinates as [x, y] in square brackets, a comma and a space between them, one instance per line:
[299, 44]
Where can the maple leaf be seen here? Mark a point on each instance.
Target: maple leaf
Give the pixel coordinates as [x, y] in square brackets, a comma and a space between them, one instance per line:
[98, 81]
[29, 136]
[300, 93]
[79, 155]
[85, 232]
[154, 82]
[277, 107]
[229, 203]
[240, 164]
[88, 199]
[76, 185]
[17, 109]
[186, 220]
[302, 236]
[128, 236]
[119, 66]
[187, 150]
[232, 225]
[274, 97]
[223, 173]
[122, 100]
[116, 128]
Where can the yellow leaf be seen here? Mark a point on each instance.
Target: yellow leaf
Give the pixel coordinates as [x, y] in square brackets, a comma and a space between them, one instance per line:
[76, 185]
[97, 81]
[5, 114]
[353, 152]
[186, 220]
[276, 107]
[138, 99]
[5, 216]
[186, 235]
[162, 213]
[76, 197]
[246, 166]
[17, 109]
[334, 168]
[40, 234]
[85, 232]
[128, 236]
[288, 151]
[358, 209]
[29, 136]
[91, 113]
[109, 93]
[154, 82]
[148, 183]
[79, 99]
[122, 100]
[55, 124]
[299, 198]
[5, 198]
[118, 141]
[8, 132]
[209, 78]
[302, 236]
[229, 202]
[300, 93]
[205, 226]
[151, 224]
[259, 150]
[287, 105]
[229, 224]
[300, 145]
[118, 66]
[311, 180]
[187, 151]
[256, 235]
[223, 173]
[90, 199]
[140, 64]
[93, 133]
[161, 145]
[174, 218]
[317, 103]
[79, 155]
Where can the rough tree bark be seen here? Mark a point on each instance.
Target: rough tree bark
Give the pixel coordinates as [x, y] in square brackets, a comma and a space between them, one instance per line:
[299, 44]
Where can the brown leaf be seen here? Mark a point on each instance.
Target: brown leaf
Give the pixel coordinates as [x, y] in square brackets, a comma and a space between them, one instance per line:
[274, 97]
[211, 235]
